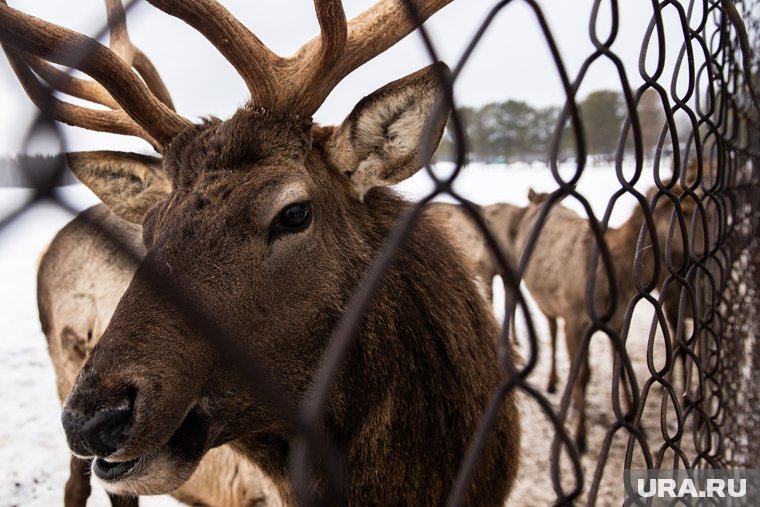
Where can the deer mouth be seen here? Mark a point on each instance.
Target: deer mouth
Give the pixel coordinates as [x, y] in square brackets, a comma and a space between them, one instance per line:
[112, 471]
[160, 470]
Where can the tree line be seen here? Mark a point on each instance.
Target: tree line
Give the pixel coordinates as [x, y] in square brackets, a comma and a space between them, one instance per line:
[517, 131]
[507, 131]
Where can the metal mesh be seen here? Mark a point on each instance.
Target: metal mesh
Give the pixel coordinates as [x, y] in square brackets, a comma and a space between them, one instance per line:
[712, 419]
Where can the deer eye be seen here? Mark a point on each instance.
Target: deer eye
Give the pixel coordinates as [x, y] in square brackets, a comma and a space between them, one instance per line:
[293, 218]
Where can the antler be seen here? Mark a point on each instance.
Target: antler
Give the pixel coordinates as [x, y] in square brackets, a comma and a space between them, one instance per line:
[366, 36]
[131, 54]
[302, 82]
[298, 84]
[147, 107]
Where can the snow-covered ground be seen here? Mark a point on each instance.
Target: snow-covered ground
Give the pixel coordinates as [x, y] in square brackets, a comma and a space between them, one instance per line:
[33, 454]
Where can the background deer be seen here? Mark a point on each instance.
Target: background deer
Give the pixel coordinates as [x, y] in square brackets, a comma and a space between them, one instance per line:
[82, 276]
[557, 273]
[271, 223]
[503, 221]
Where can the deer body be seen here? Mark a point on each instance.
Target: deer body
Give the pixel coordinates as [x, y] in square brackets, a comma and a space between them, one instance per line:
[267, 224]
[557, 278]
[81, 278]
[558, 272]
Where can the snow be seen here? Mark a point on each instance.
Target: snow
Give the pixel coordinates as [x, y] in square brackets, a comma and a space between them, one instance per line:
[489, 184]
[33, 453]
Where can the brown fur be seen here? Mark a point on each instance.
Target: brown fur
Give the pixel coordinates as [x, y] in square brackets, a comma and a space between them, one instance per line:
[557, 273]
[424, 363]
[80, 280]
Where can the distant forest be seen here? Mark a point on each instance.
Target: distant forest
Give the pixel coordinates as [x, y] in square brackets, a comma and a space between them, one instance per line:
[517, 131]
[508, 131]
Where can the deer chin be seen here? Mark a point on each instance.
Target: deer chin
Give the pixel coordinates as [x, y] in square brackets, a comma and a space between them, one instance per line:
[161, 470]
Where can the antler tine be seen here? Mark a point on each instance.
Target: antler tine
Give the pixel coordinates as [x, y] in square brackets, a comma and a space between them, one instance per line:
[142, 64]
[118, 35]
[116, 122]
[334, 29]
[367, 35]
[121, 44]
[248, 55]
[380, 27]
[90, 90]
[66, 47]
[61, 81]
[313, 60]
[81, 88]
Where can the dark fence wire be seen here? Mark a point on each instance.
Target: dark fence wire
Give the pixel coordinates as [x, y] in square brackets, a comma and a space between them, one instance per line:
[715, 423]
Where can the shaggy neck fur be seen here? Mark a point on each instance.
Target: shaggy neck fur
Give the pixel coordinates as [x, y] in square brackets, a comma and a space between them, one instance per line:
[426, 357]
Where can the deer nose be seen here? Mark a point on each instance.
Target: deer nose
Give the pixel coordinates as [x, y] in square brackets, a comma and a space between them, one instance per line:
[100, 433]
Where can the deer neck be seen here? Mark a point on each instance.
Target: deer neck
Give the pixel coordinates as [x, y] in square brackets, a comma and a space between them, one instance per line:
[622, 243]
[427, 332]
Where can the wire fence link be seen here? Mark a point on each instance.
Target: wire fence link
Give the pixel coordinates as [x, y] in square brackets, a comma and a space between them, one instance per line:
[692, 373]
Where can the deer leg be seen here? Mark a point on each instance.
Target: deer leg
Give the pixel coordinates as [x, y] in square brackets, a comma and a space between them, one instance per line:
[489, 275]
[77, 489]
[552, 386]
[573, 333]
[579, 395]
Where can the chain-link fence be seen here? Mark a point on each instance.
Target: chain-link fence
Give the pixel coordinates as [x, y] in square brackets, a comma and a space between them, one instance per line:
[681, 390]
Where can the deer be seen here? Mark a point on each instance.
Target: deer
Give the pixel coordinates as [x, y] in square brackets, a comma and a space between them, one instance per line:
[80, 280]
[556, 276]
[272, 222]
[503, 220]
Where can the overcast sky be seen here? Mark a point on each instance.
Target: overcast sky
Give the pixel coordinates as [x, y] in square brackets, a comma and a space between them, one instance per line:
[511, 62]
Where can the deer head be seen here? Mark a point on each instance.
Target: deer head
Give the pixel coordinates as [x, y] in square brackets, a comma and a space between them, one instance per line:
[269, 222]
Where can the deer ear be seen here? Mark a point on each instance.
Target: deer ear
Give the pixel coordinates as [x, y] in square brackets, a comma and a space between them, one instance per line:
[128, 184]
[532, 196]
[379, 143]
